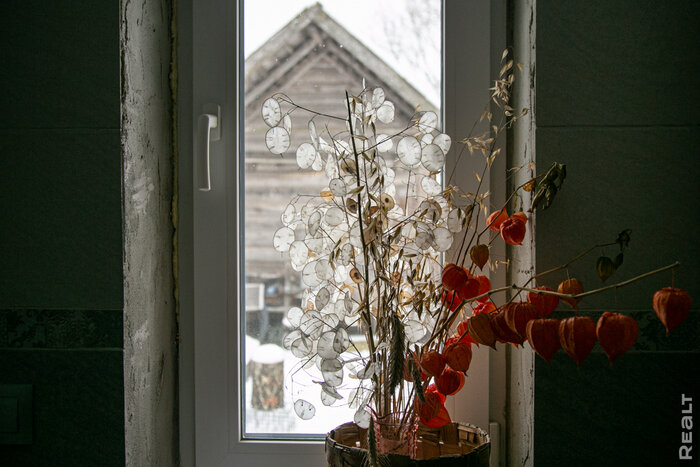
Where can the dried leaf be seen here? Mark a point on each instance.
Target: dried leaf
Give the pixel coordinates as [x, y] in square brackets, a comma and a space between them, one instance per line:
[623, 238]
[604, 267]
[529, 186]
[355, 190]
[618, 260]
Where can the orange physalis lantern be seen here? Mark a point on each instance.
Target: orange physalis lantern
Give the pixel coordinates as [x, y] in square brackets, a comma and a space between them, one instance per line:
[431, 407]
[480, 330]
[672, 306]
[483, 307]
[462, 335]
[453, 276]
[432, 412]
[484, 286]
[577, 337]
[571, 287]
[458, 356]
[616, 333]
[543, 336]
[518, 314]
[545, 303]
[513, 231]
[501, 330]
[451, 300]
[479, 255]
[432, 363]
[449, 382]
[469, 289]
[520, 215]
[496, 218]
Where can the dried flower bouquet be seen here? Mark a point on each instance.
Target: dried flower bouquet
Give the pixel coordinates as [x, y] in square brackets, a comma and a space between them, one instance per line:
[369, 249]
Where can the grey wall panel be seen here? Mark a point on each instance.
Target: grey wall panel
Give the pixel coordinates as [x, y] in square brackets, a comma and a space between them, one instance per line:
[61, 317]
[616, 96]
[60, 64]
[643, 179]
[78, 407]
[625, 415]
[62, 230]
[625, 62]
[60, 329]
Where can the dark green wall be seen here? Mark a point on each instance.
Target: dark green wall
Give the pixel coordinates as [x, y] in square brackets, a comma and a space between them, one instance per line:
[616, 100]
[61, 230]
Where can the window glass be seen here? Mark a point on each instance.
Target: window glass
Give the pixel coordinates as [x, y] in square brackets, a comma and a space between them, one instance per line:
[311, 52]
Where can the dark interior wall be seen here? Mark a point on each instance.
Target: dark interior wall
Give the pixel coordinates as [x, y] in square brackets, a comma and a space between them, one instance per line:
[61, 232]
[616, 100]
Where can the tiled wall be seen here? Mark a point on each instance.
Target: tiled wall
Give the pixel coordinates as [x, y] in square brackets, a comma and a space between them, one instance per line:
[61, 235]
[616, 98]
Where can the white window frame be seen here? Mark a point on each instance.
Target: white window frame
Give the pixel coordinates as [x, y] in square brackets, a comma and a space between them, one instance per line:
[210, 427]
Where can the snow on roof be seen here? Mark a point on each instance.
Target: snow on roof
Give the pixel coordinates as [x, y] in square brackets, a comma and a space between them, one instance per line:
[270, 65]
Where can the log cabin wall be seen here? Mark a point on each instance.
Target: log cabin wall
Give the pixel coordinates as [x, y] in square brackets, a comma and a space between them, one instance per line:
[313, 60]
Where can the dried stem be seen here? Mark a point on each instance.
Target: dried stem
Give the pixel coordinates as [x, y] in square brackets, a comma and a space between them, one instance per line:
[568, 263]
[461, 153]
[287, 99]
[366, 312]
[445, 326]
[602, 289]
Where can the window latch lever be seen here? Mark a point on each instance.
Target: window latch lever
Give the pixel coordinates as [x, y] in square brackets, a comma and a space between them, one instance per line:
[209, 129]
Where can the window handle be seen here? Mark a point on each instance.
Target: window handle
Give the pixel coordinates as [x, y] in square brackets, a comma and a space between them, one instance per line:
[209, 129]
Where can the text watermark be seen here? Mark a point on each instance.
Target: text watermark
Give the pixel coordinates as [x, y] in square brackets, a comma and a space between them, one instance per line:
[685, 451]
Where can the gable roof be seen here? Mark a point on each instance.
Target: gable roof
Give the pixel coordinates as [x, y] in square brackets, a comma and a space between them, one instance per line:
[273, 63]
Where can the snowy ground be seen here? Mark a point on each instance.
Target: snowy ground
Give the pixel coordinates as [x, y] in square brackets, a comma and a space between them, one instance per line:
[285, 420]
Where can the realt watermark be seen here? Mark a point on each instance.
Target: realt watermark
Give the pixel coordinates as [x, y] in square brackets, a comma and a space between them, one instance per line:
[685, 451]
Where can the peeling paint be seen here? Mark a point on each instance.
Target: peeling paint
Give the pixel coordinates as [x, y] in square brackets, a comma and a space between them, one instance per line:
[150, 353]
[143, 188]
[521, 364]
[140, 336]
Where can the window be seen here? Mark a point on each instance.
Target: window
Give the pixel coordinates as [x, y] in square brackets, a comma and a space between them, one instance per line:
[211, 239]
[313, 53]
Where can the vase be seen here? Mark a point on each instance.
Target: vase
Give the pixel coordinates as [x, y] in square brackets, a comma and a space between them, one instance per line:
[455, 444]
